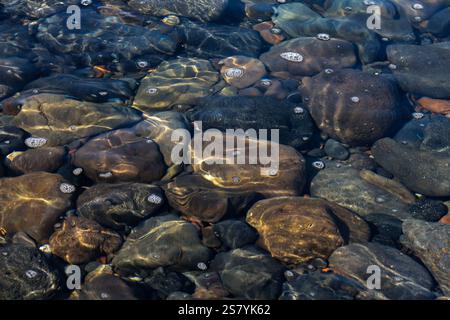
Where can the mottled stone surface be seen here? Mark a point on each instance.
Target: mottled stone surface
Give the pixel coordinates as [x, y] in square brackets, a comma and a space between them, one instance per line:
[316, 56]
[176, 82]
[120, 205]
[430, 242]
[32, 203]
[102, 284]
[204, 10]
[164, 241]
[296, 230]
[47, 159]
[401, 276]
[248, 273]
[425, 172]
[81, 240]
[351, 106]
[61, 120]
[26, 274]
[345, 186]
[120, 156]
[421, 69]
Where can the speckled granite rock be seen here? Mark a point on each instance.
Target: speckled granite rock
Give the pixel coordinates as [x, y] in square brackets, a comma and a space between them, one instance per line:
[430, 242]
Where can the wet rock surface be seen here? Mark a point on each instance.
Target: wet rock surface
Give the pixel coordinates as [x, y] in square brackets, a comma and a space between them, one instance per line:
[401, 276]
[26, 274]
[430, 242]
[120, 149]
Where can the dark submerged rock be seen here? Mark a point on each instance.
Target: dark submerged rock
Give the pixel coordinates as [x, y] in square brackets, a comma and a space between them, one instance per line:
[120, 156]
[121, 205]
[351, 106]
[26, 274]
[81, 240]
[401, 276]
[430, 242]
[405, 162]
[248, 273]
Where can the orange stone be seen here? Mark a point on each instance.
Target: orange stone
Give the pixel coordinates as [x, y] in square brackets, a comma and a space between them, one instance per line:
[435, 105]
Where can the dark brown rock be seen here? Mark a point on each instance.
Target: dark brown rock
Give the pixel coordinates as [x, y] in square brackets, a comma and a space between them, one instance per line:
[120, 156]
[32, 203]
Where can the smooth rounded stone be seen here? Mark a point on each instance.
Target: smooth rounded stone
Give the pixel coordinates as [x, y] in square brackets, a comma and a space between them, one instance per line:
[165, 282]
[296, 230]
[286, 177]
[195, 196]
[176, 82]
[104, 41]
[203, 10]
[307, 56]
[248, 273]
[345, 187]
[435, 105]
[208, 285]
[402, 278]
[353, 107]
[61, 120]
[385, 225]
[26, 274]
[120, 156]
[160, 127]
[164, 241]
[336, 150]
[439, 23]
[269, 33]
[81, 240]
[11, 138]
[428, 210]
[209, 41]
[234, 234]
[102, 284]
[14, 74]
[395, 24]
[295, 125]
[298, 20]
[430, 242]
[429, 133]
[321, 286]
[32, 203]
[425, 172]
[242, 72]
[421, 69]
[121, 205]
[86, 89]
[47, 159]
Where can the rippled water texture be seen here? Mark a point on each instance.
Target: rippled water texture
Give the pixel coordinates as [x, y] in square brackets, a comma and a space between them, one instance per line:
[339, 190]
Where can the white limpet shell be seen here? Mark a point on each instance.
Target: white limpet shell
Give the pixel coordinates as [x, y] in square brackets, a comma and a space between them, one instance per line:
[323, 36]
[67, 188]
[318, 164]
[292, 56]
[105, 175]
[154, 198]
[35, 142]
[418, 115]
[234, 73]
[77, 171]
[202, 266]
[152, 91]
[31, 274]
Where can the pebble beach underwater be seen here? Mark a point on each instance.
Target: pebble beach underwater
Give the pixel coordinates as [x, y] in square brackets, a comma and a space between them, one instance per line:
[224, 150]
